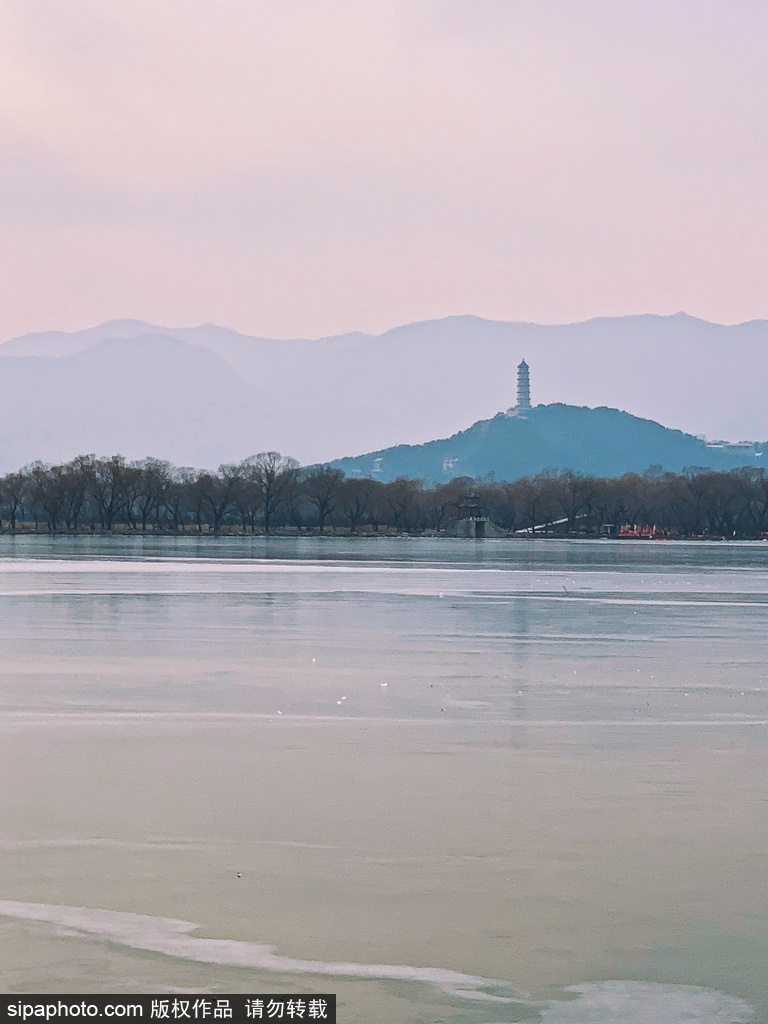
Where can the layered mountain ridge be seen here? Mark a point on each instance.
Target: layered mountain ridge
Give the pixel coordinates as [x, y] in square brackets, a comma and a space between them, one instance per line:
[203, 395]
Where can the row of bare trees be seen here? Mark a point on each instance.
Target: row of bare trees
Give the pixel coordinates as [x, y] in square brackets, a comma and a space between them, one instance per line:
[269, 492]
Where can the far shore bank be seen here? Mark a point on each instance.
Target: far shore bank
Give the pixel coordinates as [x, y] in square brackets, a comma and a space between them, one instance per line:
[339, 534]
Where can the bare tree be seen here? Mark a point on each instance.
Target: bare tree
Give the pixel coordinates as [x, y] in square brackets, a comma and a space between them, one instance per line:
[355, 499]
[180, 496]
[323, 488]
[152, 478]
[402, 497]
[273, 475]
[108, 488]
[46, 492]
[444, 500]
[14, 491]
[74, 488]
[217, 494]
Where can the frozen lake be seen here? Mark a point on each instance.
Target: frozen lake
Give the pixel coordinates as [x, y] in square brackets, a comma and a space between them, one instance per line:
[459, 781]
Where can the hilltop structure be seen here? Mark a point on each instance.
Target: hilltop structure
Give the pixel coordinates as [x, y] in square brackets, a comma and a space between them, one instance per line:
[523, 391]
[523, 387]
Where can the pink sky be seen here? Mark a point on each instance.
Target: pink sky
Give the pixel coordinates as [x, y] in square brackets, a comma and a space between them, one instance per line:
[305, 167]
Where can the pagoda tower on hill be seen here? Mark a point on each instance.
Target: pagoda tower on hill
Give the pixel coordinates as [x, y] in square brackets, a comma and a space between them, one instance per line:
[523, 392]
[523, 388]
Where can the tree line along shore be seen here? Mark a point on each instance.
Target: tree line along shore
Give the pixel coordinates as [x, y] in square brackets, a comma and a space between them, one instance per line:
[270, 493]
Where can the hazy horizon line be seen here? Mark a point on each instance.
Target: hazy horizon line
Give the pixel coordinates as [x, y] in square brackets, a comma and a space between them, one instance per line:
[388, 330]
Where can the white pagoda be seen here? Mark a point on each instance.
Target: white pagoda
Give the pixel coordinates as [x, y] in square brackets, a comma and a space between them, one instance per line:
[523, 388]
[523, 392]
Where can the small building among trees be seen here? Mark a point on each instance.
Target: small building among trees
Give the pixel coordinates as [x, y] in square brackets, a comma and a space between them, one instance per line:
[474, 520]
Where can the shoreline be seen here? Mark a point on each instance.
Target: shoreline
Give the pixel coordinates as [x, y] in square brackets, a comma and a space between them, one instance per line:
[230, 533]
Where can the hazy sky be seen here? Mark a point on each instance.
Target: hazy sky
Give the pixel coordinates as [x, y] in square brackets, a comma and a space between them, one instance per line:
[302, 167]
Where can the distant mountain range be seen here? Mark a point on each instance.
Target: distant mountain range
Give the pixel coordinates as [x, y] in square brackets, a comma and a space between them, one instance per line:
[597, 442]
[204, 395]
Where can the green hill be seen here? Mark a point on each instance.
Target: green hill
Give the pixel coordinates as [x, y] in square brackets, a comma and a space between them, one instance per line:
[599, 442]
